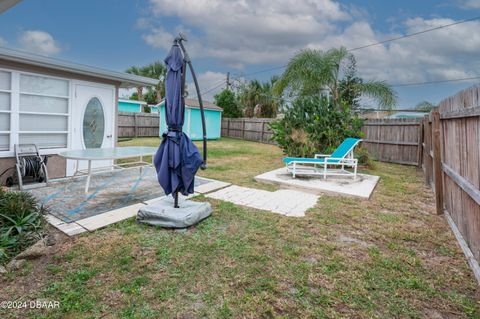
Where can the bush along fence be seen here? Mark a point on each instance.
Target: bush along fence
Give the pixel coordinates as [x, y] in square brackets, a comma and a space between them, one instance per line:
[138, 124]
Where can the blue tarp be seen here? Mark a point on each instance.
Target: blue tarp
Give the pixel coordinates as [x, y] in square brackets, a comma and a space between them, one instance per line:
[177, 159]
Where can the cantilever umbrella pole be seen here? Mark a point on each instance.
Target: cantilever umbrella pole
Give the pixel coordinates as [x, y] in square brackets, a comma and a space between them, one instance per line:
[200, 102]
[187, 60]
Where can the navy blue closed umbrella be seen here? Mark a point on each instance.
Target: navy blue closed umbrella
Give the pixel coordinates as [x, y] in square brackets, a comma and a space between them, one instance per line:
[177, 159]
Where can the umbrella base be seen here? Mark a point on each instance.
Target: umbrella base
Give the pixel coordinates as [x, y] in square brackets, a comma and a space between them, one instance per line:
[163, 214]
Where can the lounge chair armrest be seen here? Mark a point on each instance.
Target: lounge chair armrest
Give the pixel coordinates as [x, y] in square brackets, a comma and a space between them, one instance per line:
[341, 160]
[322, 155]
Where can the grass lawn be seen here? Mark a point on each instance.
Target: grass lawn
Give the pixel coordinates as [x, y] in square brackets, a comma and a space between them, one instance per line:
[389, 257]
[231, 160]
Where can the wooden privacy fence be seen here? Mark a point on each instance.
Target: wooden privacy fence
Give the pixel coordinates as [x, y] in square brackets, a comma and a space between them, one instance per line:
[138, 124]
[250, 129]
[451, 163]
[394, 140]
[389, 140]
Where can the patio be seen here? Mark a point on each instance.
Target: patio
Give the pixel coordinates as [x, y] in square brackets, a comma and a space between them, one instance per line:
[362, 186]
[113, 196]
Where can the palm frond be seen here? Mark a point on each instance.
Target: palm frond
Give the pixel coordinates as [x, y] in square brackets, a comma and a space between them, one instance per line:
[381, 92]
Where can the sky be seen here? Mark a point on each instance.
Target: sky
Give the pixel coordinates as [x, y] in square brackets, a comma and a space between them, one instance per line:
[249, 36]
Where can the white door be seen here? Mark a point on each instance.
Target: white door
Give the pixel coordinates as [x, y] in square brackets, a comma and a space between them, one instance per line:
[93, 114]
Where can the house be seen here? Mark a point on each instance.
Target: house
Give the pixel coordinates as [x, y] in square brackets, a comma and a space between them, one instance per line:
[153, 108]
[193, 121]
[407, 115]
[394, 114]
[131, 106]
[56, 104]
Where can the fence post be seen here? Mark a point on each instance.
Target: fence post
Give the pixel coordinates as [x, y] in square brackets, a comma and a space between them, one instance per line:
[437, 161]
[420, 144]
[228, 127]
[263, 131]
[135, 128]
[243, 129]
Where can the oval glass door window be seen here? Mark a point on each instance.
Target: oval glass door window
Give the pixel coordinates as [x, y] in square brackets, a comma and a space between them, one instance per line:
[93, 124]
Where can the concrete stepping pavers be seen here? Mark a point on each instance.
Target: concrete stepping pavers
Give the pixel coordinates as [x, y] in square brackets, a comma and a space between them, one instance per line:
[285, 202]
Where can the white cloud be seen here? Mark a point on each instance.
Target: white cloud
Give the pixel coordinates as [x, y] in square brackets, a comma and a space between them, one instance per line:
[3, 42]
[210, 84]
[159, 38]
[470, 4]
[240, 32]
[38, 41]
[442, 54]
[250, 31]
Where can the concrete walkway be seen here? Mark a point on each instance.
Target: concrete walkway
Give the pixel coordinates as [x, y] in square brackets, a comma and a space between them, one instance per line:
[285, 202]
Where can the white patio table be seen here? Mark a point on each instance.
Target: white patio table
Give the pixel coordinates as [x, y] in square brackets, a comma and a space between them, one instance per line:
[100, 154]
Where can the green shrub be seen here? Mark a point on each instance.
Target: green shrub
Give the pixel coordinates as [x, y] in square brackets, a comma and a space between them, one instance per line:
[314, 125]
[22, 223]
[364, 158]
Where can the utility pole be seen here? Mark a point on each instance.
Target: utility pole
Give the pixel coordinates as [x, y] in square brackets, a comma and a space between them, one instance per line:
[228, 80]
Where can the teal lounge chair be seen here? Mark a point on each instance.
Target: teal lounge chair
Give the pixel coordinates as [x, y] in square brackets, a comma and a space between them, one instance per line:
[334, 164]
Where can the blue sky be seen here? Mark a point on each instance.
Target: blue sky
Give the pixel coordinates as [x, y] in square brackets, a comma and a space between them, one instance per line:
[242, 37]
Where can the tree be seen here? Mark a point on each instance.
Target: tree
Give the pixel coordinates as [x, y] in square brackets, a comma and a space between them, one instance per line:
[314, 125]
[157, 71]
[258, 99]
[228, 102]
[151, 96]
[424, 106]
[137, 71]
[350, 92]
[312, 72]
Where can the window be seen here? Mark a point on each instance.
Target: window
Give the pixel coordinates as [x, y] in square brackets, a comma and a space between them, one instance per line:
[33, 109]
[5, 109]
[93, 124]
[43, 111]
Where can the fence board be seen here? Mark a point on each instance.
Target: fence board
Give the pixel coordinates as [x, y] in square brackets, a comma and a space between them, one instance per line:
[393, 140]
[460, 137]
[138, 124]
[250, 129]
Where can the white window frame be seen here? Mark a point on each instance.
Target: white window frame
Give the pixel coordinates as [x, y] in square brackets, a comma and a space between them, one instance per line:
[9, 132]
[15, 112]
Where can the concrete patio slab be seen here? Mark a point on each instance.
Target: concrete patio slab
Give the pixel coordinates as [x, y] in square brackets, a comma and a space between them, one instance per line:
[70, 229]
[210, 187]
[114, 196]
[108, 218]
[284, 202]
[66, 200]
[362, 187]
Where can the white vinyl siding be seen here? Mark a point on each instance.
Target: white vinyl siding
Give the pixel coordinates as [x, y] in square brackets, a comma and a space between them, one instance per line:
[33, 109]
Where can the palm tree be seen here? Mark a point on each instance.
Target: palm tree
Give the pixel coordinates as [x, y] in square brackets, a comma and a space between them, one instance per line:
[258, 99]
[137, 71]
[156, 70]
[312, 72]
